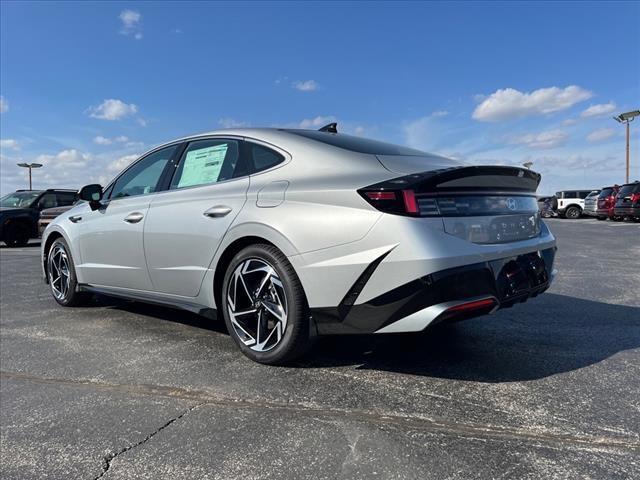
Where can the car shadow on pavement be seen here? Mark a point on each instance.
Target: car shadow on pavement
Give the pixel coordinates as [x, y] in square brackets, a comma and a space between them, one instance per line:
[161, 313]
[548, 335]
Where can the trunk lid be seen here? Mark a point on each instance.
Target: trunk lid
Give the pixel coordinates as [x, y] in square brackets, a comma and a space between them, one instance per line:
[480, 204]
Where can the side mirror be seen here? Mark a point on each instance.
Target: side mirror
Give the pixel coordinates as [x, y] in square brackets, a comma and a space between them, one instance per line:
[92, 194]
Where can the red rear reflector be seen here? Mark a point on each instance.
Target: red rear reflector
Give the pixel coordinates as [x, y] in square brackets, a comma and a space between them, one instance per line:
[475, 305]
[410, 203]
[381, 195]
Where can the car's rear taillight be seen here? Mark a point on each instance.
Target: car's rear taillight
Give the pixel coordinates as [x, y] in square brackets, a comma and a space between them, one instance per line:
[635, 197]
[401, 202]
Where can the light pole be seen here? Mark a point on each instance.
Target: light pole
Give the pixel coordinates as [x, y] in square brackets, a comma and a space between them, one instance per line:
[627, 118]
[30, 166]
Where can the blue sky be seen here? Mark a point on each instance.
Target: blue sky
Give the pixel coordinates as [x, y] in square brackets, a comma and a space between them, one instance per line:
[88, 86]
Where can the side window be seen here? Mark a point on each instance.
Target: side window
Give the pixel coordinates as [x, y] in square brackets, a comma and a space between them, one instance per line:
[66, 198]
[263, 158]
[584, 194]
[559, 194]
[570, 194]
[48, 200]
[208, 161]
[143, 177]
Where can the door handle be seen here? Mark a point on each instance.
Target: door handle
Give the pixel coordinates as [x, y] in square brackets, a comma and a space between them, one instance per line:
[217, 211]
[75, 218]
[134, 217]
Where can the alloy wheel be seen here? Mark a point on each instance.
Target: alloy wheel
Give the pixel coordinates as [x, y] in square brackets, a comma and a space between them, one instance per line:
[59, 276]
[257, 304]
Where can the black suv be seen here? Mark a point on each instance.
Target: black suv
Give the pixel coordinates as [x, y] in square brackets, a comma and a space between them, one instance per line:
[19, 212]
[628, 201]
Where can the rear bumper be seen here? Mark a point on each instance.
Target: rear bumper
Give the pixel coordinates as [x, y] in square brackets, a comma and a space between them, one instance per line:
[604, 212]
[627, 211]
[451, 294]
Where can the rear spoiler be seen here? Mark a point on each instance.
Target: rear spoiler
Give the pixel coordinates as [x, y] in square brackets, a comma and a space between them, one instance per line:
[467, 179]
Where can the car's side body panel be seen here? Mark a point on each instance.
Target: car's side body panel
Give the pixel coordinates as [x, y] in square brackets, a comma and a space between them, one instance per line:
[183, 230]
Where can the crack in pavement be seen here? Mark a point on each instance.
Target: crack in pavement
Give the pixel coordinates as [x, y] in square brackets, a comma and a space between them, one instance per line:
[109, 457]
[407, 422]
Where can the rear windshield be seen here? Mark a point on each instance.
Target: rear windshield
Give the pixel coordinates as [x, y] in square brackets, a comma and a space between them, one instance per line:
[358, 144]
[605, 192]
[628, 189]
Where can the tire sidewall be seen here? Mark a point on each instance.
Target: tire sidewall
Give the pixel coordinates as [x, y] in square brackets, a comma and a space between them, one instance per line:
[70, 298]
[13, 235]
[296, 304]
[570, 215]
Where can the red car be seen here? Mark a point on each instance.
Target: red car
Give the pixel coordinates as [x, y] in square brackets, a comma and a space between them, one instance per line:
[607, 202]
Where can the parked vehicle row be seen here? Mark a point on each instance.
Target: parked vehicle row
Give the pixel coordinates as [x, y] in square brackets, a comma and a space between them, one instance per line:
[614, 203]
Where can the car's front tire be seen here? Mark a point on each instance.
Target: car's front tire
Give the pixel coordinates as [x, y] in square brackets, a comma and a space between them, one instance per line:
[264, 306]
[16, 235]
[61, 274]
[572, 213]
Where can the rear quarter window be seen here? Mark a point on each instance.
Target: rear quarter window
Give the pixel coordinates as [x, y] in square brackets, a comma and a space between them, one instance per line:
[263, 158]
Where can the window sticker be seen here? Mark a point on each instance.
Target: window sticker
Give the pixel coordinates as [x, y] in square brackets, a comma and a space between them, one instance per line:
[203, 165]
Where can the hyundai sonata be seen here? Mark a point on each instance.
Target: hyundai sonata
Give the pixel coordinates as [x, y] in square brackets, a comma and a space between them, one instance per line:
[289, 234]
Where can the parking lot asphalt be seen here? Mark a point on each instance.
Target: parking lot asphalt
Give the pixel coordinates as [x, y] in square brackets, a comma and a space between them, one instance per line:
[123, 390]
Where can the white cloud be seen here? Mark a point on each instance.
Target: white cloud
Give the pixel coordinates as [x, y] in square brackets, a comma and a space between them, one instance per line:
[131, 23]
[440, 113]
[601, 135]
[508, 103]
[548, 139]
[141, 121]
[231, 123]
[120, 163]
[4, 105]
[599, 110]
[317, 122]
[306, 86]
[569, 121]
[70, 158]
[9, 143]
[112, 109]
[100, 140]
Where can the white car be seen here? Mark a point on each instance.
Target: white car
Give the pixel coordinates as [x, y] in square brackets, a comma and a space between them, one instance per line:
[289, 234]
[571, 202]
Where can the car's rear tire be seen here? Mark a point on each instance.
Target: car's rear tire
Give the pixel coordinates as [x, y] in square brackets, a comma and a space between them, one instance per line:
[600, 217]
[572, 213]
[264, 306]
[61, 274]
[16, 235]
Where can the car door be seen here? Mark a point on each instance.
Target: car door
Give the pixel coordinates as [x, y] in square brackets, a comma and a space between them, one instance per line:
[111, 237]
[187, 222]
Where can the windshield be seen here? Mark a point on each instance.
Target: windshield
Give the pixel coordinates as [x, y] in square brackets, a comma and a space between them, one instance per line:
[19, 199]
[593, 194]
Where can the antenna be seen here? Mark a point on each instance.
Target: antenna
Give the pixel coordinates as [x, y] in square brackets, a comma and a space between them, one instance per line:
[330, 128]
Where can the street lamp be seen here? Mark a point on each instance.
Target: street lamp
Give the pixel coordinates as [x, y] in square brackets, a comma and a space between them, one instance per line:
[30, 166]
[627, 118]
